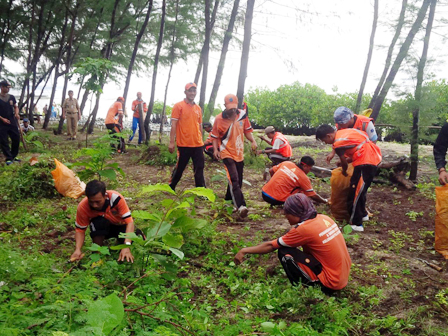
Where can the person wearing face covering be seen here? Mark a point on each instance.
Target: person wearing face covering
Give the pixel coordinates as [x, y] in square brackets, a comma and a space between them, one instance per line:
[324, 261]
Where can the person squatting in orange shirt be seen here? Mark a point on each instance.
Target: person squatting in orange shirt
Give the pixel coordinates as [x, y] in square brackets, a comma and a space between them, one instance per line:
[108, 215]
[137, 106]
[288, 179]
[324, 261]
[186, 121]
[281, 149]
[228, 133]
[114, 122]
[354, 145]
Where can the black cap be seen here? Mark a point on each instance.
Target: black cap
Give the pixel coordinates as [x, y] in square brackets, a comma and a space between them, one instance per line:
[5, 83]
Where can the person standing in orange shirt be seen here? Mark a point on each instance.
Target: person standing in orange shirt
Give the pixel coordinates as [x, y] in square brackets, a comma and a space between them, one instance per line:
[114, 121]
[324, 261]
[137, 106]
[352, 145]
[228, 133]
[186, 121]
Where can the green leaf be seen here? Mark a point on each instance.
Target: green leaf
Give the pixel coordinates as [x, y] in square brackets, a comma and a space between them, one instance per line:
[158, 188]
[106, 314]
[119, 247]
[167, 202]
[131, 235]
[146, 215]
[187, 223]
[177, 252]
[108, 173]
[247, 182]
[268, 326]
[159, 230]
[94, 247]
[204, 192]
[347, 229]
[175, 240]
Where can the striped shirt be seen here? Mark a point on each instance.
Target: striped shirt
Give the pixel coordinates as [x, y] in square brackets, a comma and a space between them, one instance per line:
[115, 210]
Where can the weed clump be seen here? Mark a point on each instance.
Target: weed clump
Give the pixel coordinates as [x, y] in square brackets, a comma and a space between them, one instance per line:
[28, 181]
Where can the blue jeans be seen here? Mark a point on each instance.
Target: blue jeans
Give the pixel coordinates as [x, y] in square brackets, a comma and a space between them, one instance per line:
[135, 122]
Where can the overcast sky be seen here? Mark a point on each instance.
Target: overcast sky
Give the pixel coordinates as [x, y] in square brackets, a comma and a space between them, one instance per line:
[323, 43]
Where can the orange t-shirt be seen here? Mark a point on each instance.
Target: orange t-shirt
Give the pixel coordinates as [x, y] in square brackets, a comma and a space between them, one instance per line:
[188, 130]
[115, 211]
[114, 110]
[230, 134]
[135, 109]
[321, 238]
[358, 147]
[287, 180]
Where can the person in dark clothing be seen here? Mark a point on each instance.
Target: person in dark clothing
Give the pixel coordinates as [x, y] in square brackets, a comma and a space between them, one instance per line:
[440, 148]
[9, 116]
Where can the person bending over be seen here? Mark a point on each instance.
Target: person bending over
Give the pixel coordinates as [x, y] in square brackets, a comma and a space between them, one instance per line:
[324, 261]
[280, 151]
[288, 179]
[354, 145]
[107, 214]
[345, 118]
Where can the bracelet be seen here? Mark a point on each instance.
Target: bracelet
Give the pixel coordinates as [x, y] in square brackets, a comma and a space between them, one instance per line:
[128, 243]
[442, 169]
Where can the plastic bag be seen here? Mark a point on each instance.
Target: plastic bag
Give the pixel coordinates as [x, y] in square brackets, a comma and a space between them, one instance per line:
[340, 188]
[441, 244]
[66, 182]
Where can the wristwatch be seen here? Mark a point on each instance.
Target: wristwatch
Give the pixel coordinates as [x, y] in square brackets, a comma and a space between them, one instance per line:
[128, 243]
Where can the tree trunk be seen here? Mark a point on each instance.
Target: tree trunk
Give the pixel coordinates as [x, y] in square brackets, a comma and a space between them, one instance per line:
[31, 105]
[390, 52]
[201, 55]
[53, 92]
[245, 53]
[172, 57]
[64, 93]
[45, 85]
[134, 52]
[94, 113]
[369, 57]
[418, 94]
[399, 59]
[205, 58]
[154, 73]
[222, 61]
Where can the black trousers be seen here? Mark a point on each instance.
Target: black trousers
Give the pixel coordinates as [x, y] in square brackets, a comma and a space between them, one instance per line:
[291, 258]
[235, 178]
[12, 132]
[101, 227]
[359, 184]
[185, 153]
[270, 200]
[113, 129]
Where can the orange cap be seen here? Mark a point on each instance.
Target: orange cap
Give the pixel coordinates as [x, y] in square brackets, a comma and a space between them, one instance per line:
[189, 86]
[231, 101]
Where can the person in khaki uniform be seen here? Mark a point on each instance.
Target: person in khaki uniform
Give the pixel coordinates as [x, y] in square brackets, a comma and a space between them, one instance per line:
[72, 112]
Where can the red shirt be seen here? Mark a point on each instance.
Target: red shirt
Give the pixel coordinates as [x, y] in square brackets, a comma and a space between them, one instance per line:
[321, 238]
[115, 211]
